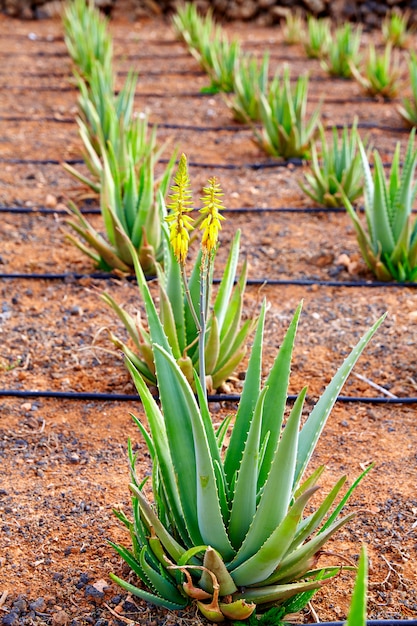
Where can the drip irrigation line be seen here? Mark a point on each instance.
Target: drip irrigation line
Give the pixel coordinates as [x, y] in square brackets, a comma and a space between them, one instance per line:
[224, 166]
[122, 397]
[238, 210]
[190, 127]
[55, 120]
[301, 282]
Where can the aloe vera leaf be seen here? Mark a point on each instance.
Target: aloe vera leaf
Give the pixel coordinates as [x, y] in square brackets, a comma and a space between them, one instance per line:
[276, 496]
[227, 352]
[142, 363]
[405, 192]
[173, 284]
[212, 346]
[195, 475]
[129, 558]
[381, 227]
[168, 322]
[315, 422]
[147, 596]
[275, 401]
[310, 524]
[245, 492]
[146, 209]
[194, 289]
[368, 180]
[223, 373]
[162, 450]
[221, 302]
[268, 557]
[123, 315]
[96, 241]
[296, 563]
[160, 582]
[357, 610]
[332, 518]
[250, 393]
[276, 593]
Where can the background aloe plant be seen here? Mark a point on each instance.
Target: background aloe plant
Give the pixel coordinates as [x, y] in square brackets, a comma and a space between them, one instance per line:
[381, 73]
[408, 107]
[285, 131]
[395, 28]
[209, 45]
[293, 27]
[229, 532]
[318, 37]
[79, 18]
[132, 206]
[250, 79]
[343, 51]
[335, 166]
[388, 242]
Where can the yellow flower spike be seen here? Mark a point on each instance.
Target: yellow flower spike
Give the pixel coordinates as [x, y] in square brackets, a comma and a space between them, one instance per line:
[211, 209]
[181, 204]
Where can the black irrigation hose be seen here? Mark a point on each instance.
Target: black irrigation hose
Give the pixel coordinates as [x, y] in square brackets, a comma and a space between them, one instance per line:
[189, 127]
[301, 282]
[238, 210]
[224, 166]
[121, 397]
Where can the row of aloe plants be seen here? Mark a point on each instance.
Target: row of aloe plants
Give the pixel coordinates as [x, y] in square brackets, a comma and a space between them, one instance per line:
[132, 204]
[339, 170]
[226, 530]
[120, 151]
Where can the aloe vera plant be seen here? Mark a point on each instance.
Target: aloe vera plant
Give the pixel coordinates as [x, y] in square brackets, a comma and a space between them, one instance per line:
[131, 204]
[250, 79]
[408, 107]
[209, 45]
[105, 118]
[227, 531]
[318, 37]
[343, 52]
[381, 73]
[388, 241]
[79, 18]
[193, 28]
[293, 27]
[395, 28]
[285, 131]
[335, 166]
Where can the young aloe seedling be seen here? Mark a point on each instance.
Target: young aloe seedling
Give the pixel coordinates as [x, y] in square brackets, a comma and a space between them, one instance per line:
[208, 43]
